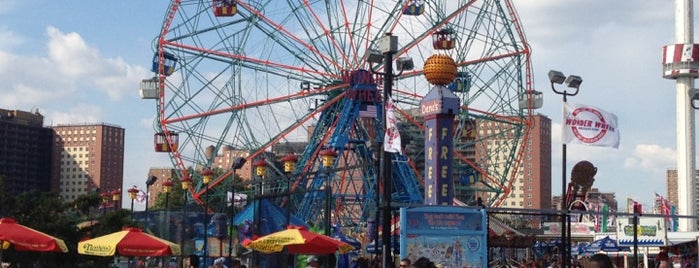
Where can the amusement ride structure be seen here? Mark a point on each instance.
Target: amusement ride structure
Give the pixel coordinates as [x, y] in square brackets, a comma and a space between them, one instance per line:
[252, 75]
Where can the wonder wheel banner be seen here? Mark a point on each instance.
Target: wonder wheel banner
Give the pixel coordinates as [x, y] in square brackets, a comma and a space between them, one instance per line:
[588, 125]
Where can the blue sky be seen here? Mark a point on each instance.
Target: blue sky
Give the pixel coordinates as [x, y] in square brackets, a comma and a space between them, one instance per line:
[82, 62]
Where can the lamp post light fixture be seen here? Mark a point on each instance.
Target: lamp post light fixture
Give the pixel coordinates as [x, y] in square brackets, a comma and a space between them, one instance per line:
[206, 176]
[116, 196]
[186, 183]
[572, 81]
[328, 158]
[167, 188]
[238, 163]
[289, 162]
[133, 191]
[260, 171]
[105, 200]
[388, 46]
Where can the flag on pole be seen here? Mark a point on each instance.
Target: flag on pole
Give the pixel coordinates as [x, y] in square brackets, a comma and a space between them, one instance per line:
[584, 124]
[367, 110]
[663, 206]
[391, 141]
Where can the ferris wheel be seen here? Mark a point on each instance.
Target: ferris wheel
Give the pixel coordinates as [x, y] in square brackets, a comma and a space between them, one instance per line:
[261, 75]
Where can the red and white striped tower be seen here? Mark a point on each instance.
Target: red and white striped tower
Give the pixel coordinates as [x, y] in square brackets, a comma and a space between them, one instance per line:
[681, 62]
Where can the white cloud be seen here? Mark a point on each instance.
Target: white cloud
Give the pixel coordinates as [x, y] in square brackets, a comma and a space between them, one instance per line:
[70, 75]
[71, 55]
[82, 113]
[8, 38]
[23, 94]
[651, 157]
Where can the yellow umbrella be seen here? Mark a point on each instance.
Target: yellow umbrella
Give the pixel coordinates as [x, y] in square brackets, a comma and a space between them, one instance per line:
[128, 242]
[297, 240]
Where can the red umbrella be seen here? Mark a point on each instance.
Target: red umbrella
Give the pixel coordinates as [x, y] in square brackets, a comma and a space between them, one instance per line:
[128, 242]
[297, 240]
[24, 238]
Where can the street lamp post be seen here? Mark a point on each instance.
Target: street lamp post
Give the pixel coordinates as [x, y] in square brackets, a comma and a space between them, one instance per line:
[133, 191]
[105, 201]
[572, 81]
[388, 45]
[328, 158]
[186, 183]
[289, 162]
[116, 196]
[167, 188]
[260, 170]
[206, 175]
[237, 164]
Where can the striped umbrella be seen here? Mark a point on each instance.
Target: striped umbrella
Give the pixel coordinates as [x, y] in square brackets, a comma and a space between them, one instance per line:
[128, 242]
[24, 238]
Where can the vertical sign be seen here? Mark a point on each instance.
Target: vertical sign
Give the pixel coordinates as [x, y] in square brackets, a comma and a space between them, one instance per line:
[438, 109]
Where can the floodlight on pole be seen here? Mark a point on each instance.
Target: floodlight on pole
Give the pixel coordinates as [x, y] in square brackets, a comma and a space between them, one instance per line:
[373, 56]
[695, 97]
[388, 46]
[572, 81]
[556, 77]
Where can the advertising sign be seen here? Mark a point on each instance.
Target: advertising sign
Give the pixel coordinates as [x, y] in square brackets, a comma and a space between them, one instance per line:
[650, 232]
[452, 236]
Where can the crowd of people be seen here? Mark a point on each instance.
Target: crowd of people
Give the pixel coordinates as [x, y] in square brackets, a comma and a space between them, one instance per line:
[595, 261]
[192, 261]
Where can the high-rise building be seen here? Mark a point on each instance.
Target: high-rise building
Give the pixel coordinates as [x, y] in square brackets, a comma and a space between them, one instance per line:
[25, 150]
[227, 155]
[532, 186]
[87, 158]
[673, 191]
[161, 175]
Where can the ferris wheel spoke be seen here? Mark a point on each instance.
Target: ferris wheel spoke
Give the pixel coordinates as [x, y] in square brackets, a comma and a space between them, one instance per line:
[280, 29]
[324, 36]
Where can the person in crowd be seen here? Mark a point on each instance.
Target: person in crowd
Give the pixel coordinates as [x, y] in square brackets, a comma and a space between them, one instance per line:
[600, 260]
[219, 263]
[362, 262]
[192, 261]
[405, 263]
[553, 264]
[312, 262]
[423, 262]
[236, 263]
